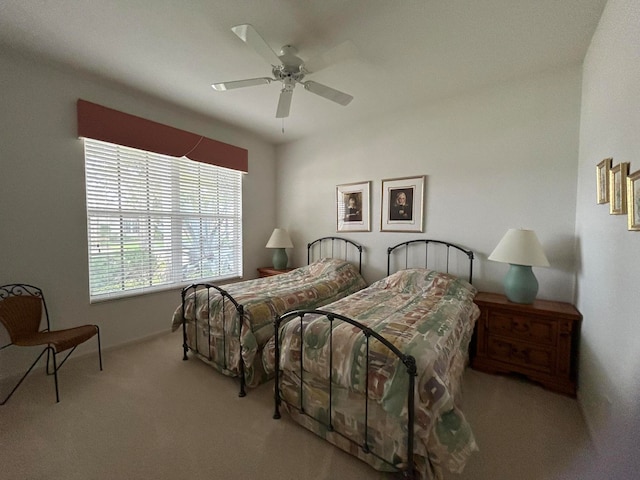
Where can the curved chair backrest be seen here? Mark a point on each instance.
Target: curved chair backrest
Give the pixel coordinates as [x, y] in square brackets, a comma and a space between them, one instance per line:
[21, 308]
[21, 316]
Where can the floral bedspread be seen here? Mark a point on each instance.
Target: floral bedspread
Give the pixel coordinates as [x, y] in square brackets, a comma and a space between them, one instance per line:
[312, 286]
[423, 313]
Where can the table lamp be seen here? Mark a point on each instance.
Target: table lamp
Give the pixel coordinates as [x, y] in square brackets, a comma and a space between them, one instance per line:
[279, 241]
[521, 249]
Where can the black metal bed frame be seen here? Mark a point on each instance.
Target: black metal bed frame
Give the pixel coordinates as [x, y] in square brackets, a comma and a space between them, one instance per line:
[193, 288]
[408, 360]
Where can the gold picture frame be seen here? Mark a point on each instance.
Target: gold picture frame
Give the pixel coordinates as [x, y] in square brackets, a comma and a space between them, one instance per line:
[402, 204]
[618, 189]
[633, 201]
[353, 212]
[602, 180]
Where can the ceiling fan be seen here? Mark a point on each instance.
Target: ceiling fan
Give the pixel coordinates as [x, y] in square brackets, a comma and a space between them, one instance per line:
[288, 69]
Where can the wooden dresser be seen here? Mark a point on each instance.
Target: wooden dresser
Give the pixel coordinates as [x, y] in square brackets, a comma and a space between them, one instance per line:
[539, 340]
[270, 271]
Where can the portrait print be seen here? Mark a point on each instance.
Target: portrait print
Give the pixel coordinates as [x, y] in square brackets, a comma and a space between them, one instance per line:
[402, 206]
[352, 207]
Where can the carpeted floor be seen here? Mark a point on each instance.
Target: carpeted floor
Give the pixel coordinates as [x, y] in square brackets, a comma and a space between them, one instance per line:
[150, 415]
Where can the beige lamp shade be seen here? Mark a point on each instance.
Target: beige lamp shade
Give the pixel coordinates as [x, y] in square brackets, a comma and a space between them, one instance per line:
[279, 239]
[520, 247]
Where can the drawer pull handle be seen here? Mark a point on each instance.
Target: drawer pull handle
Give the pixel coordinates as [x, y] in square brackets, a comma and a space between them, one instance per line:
[520, 327]
[520, 354]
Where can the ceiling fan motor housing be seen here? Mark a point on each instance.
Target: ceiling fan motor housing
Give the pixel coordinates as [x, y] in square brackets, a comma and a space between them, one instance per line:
[290, 72]
[287, 75]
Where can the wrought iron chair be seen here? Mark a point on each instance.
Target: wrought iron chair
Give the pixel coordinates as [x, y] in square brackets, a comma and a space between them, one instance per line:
[21, 310]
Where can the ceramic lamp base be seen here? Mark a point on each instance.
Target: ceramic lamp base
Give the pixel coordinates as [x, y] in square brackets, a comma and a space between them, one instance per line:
[520, 284]
[280, 259]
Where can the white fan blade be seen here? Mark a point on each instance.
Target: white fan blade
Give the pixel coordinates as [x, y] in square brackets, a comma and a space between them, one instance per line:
[337, 54]
[328, 92]
[250, 82]
[284, 103]
[248, 34]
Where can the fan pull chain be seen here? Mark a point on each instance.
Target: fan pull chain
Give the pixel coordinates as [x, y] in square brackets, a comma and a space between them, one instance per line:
[283, 126]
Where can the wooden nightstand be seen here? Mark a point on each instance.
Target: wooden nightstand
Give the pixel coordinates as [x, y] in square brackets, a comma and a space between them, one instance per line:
[270, 271]
[539, 340]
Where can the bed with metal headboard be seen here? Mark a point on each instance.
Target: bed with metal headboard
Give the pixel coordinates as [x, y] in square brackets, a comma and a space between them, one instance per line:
[378, 373]
[228, 327]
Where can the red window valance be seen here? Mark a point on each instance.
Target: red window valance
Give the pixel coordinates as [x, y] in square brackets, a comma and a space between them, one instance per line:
[108, 125]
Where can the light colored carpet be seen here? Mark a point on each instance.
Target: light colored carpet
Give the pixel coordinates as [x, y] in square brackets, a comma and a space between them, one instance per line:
[150, 415]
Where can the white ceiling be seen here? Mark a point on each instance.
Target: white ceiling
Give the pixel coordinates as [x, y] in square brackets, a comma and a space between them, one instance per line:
[408, 51]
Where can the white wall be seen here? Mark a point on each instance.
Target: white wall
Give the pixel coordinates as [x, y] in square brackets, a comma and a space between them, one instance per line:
[608, 254]
[494, 159]
[43, 236]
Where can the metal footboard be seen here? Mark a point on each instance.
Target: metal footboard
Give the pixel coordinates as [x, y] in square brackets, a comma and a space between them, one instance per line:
[192, 290]
[408, 360]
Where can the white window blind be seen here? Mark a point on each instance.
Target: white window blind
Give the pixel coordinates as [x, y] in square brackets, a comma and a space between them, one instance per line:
[157, 222]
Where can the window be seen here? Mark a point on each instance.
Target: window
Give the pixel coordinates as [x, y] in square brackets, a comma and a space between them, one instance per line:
[157, 222]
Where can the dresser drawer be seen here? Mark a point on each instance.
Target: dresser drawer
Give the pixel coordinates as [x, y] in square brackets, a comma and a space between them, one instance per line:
[523, 328]
[535, 357]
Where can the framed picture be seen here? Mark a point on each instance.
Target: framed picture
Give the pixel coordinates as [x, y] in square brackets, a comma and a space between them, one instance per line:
[602, 180]
[618, 189]
[633, 200]
[402, 202]
[353, 207]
